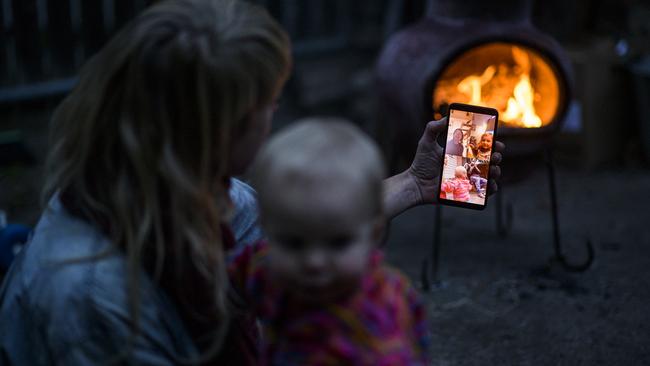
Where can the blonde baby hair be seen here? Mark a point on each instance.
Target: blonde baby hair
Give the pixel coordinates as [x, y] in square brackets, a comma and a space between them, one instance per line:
[460, 172]
[318, 148]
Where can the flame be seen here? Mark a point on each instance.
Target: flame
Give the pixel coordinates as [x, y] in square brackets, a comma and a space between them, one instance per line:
[520, 109]
[472, 85]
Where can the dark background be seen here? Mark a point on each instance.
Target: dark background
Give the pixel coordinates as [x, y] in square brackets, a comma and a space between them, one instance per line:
[497, 300]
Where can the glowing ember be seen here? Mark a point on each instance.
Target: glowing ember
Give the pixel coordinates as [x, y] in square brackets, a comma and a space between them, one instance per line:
[514, 80]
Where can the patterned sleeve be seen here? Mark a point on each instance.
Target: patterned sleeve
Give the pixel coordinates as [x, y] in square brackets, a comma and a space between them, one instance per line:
[413, 320]
[382, 324]
[421, 328]
[245, 269]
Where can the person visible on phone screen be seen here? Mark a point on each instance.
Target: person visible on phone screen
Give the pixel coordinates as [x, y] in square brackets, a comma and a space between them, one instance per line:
[318, 284]
[479, 183]
[485, 147]
[459, 186]
[455, 144]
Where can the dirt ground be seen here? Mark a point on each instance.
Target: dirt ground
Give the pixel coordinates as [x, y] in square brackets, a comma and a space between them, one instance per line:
[500, 301]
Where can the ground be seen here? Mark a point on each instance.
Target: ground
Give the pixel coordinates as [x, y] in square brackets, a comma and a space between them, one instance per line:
[500, 301]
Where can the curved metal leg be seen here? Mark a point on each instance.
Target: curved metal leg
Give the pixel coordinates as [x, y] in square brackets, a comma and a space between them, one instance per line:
[437, 239]
[424, 276]
[557, 246]
[429, 278]
[504, 221]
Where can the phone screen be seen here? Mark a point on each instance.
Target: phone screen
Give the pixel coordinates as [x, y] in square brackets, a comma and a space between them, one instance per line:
[468, 150]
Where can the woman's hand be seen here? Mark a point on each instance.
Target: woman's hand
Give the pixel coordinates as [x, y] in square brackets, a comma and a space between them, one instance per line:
[419, 183]
[425, 169]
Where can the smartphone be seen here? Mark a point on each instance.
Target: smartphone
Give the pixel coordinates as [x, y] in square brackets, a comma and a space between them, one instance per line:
[467, 153]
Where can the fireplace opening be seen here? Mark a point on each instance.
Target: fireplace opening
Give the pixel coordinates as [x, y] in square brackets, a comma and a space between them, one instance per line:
[517, 80]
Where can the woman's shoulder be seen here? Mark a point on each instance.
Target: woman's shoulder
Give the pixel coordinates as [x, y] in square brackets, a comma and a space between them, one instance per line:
[63, 265]
[69, 283]
[65, 249]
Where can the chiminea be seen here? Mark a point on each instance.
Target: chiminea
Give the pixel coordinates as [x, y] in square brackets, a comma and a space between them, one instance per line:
[478, 52]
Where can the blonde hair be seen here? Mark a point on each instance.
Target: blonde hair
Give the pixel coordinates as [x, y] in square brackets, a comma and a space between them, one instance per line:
[140, 148]
[460, 172]
[485, 134]
[318, 148]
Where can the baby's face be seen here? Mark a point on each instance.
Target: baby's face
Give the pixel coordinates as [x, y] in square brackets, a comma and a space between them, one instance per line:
[320, 241]
[486, 141]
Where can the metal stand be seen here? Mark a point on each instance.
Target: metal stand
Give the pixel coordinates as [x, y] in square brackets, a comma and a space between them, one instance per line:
[430, 278]
[504, 224]
[557, 246]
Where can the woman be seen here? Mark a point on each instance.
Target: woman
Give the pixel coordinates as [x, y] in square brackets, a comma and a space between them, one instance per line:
[127, 261]
[455, 144]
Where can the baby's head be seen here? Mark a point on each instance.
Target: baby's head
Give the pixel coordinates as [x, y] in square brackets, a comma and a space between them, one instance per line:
[486, 141]
[461, 172]
[320, 192]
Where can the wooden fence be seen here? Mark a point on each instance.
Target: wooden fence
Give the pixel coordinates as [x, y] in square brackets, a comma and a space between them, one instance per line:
[44, 42]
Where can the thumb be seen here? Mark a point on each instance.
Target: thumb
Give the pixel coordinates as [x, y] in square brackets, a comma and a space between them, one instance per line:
[435, 128]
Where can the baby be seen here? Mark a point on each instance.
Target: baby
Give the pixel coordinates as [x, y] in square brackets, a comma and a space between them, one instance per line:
[318, 286]
[459, 185]
[485, 147]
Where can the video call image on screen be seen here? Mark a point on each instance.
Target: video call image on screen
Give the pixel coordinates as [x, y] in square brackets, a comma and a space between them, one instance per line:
[467, 157]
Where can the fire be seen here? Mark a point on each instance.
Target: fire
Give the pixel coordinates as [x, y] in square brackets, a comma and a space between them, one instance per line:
[520, 108]
[514, 79]
[472, 85]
